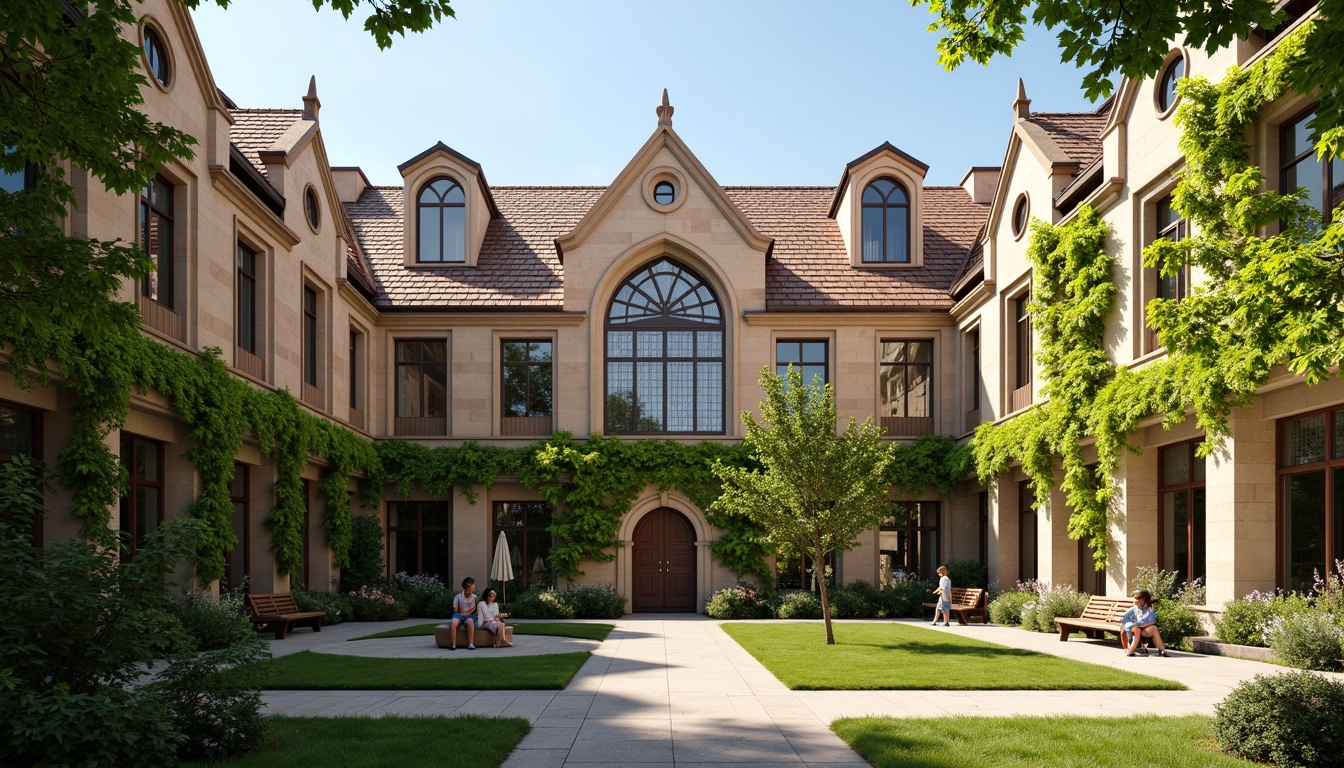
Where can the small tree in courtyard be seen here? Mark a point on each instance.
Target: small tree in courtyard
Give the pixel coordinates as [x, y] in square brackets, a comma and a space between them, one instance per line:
[816, 490]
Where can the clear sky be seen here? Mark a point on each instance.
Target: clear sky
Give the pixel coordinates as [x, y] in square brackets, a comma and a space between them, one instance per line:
[537, 92]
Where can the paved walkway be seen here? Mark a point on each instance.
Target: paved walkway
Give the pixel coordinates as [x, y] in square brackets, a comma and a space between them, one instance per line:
[677, 691]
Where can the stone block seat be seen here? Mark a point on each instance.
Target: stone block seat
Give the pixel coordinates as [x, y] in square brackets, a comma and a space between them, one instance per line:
[484, 637]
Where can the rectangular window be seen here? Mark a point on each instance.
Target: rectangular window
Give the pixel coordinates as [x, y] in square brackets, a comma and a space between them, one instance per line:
[156, 239]
[418, 538]
[973, 347]
[809, 357]
[908, 538]
[526, 374]
[309, 336]
[524, 525]
[422, 386]
[238, 560]
[905, 387]
[1171, 226]
[306, 569]
[356, 362]
[20, 180]
[1022, 327]
[1181, 517]
[1026, 533]
[1301, 169]
[247, 300]
[1311, 488]
[795, 571]
[142, 505]
[21, 435]
[982, 504]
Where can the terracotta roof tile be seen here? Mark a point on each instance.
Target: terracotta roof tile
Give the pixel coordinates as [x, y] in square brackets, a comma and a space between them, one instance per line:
[1077, 134]
[255, 130]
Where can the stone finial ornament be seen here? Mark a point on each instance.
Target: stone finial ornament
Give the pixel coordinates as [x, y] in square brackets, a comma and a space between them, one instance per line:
[665, 111]
[1021, 105]
[311, 104]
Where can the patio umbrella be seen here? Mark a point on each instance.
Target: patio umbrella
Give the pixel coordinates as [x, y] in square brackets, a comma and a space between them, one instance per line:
[502, 570]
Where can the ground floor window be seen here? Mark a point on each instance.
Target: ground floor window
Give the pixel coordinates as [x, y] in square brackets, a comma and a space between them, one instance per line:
[908, 538]
[524, 525]
[1311, 496]
[419, 540]
[237, 562]
[796, 572]
[142, 504]
[1091, 579]
[305, 571]
[982, 504]
[1026, 533]
[21, 435]
[1181, 517]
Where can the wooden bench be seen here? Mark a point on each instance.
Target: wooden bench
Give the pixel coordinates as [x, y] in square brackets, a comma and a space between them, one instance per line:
[965, 600]
[1102, 615]
[484, 637]
[279, 613]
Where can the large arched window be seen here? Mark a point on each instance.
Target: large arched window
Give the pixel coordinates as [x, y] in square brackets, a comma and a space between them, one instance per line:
[664, 353]
[442, 216]
[886, 223]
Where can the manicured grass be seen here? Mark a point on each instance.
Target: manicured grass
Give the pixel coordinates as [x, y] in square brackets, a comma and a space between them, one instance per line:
[365, 742]
[897, 656]
[1027, 742]
[582, 631]
[308, 671]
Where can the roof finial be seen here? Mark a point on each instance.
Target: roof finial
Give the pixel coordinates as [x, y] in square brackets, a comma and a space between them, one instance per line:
[665, 111]
[1021, 105]
[311, 104]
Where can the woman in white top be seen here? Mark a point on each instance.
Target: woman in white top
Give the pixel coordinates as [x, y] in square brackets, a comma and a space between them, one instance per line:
[489, 617]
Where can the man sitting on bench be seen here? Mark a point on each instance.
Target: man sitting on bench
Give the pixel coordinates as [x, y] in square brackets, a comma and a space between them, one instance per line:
[464, 612]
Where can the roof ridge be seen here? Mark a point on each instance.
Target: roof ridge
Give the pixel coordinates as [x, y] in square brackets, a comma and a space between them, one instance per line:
[268, 109]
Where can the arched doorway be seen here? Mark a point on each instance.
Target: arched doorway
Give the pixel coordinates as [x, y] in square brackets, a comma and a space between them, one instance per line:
[664, 563]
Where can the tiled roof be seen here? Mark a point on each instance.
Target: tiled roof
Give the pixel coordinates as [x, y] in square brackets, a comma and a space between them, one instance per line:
[1077, 134]
[255, 130]
[809, 269]
[972, 270]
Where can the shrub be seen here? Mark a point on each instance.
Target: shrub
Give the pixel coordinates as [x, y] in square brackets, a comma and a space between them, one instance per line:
[419, 593]
[1244, 619]
[594, 602]
[214, 699]
[1038, 615]
[212, 622]
[857, 600]
[373, 604]
[1176, 621]
[798, 605]
[440, 606]
[337, 606]
[1292, 719]
[540, 604]
[742, 601]
[1310, 640]
[1006, 609]
[971, 574]
[1159, 583]
[905, 594]
[366, 554]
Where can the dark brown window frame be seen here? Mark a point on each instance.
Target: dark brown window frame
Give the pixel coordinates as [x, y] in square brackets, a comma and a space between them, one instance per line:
[164, 263]
[882, 208]
[442, 207]
[526, 365]
[245, 542]
[782, 368]
[973, 343]
[398, 365]
[523, 530]
[312, 208]
[419, 529]
[1332, 190]
[306, 570]
[1282, 473]
[160, 66]
[129, 543]
[912, 530]
[246, 287]
[311, 337]
[882, 365]
[664, 324]
[1022, 362]
[356, 369]
[1190, 485]
[35, 455]
[1026, 506]
[1166, 83]
[664, 188]
[29, 173]
[1021, 214]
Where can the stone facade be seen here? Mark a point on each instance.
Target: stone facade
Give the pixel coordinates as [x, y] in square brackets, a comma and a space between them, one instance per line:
[786, 265]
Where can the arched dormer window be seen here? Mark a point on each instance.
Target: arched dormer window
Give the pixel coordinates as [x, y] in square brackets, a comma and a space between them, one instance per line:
[886, 223]
[441, 214]
[664, 354]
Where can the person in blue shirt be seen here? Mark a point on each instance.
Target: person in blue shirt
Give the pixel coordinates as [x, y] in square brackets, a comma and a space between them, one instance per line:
[1140, 622]
[944, 593]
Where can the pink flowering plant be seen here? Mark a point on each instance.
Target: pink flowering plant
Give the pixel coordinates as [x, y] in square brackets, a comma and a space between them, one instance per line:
[742, 601]
[374, 604]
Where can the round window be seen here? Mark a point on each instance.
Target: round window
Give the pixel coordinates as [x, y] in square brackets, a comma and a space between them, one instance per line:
[1166, 87]
[156, 55]
[310, 207]
[664, 193]
[1021, 215]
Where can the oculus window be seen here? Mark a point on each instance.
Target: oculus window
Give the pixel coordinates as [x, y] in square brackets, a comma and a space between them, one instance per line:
[1166, 87]
[156, 56]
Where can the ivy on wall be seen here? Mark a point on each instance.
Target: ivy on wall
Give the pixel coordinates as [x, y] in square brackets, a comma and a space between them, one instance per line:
[1272, 295]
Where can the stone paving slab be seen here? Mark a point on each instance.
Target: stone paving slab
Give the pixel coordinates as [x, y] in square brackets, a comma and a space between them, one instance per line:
[676, 691]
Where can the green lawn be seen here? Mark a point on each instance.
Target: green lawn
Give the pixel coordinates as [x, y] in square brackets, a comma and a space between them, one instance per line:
[308, 671]
[899, 656]
[562, 629]
[365, 742]
[1027, 742]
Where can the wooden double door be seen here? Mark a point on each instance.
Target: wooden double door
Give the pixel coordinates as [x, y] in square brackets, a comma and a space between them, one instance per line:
[664, 563]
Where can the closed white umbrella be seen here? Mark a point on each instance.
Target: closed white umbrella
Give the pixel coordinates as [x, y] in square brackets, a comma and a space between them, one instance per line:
[502, 569]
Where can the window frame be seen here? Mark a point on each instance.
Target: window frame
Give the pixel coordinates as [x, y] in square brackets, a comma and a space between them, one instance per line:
[883, 365]
[130, 545]
[36, 456]
[165, 267]
[527, 365]
[419, 529]
[356, 364]
[244, 541]
[523, 566]
[311, 308]
[398, 365]
[1166, 84]
[913, 528]
[245, 285]
[147, 32]
[973, 344]
[29, 172]
[1026, 507]
[442, 208]
[781, 370]
[1332, 189]
[1190, 486]
[1327, 466]
[882, 207]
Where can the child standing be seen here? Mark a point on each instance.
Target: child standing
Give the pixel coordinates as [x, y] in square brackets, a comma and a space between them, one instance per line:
[944, 593]
[464, 612]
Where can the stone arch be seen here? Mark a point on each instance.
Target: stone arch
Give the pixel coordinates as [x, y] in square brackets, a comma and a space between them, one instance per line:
[651, 500]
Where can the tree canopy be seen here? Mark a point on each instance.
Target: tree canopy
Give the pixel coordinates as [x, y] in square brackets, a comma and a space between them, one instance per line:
[816, 490]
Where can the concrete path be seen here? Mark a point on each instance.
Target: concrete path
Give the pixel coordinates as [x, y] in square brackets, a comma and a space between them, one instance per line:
[677, 691]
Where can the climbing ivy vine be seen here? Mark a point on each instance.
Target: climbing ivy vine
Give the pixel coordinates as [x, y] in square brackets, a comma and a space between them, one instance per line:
[1271, 294]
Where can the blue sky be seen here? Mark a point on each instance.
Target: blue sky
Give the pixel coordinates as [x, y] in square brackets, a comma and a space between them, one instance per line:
[563, 93]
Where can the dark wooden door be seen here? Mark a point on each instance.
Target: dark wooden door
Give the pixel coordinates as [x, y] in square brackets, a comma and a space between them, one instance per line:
[664, 558]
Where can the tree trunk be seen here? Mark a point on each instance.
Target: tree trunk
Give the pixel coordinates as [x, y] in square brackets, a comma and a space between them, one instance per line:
[819, 563]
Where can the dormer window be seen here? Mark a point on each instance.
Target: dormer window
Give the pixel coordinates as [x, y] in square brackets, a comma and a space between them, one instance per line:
[441, 212]
[886, 223]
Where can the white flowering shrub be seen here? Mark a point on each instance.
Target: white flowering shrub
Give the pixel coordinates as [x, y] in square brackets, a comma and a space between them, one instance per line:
[1309, 640]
